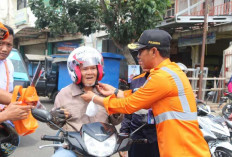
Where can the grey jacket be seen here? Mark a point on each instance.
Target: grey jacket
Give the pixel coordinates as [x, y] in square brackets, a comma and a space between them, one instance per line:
[69, 98]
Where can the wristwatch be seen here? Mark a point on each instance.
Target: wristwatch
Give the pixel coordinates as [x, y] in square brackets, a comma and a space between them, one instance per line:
[116, 91]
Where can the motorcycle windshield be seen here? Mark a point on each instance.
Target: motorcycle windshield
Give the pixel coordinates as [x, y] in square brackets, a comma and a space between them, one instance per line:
[99, 131]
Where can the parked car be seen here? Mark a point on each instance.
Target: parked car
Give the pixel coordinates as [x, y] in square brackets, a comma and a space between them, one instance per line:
[21, 76]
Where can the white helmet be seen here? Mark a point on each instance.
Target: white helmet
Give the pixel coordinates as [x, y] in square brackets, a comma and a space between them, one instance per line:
[87, 56]
[182, 67]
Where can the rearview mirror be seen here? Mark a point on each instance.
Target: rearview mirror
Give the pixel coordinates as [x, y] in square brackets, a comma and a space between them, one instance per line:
[211, 93]
[41, 115]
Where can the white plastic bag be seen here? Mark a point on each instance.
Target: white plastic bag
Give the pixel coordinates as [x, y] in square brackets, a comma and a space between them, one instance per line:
[92, 108]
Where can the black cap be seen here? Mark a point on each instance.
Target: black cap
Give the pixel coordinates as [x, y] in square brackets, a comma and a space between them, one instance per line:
[152, 38]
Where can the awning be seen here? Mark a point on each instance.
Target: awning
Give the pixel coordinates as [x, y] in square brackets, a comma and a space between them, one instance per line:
[57, 60]
[30, 32]
[34, 57]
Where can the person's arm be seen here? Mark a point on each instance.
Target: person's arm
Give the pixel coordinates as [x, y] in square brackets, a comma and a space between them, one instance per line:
[87, 96]
[153, 90]
[107, 90]
[3, 116]
[5, 97]
[15, 111]
[142, 98]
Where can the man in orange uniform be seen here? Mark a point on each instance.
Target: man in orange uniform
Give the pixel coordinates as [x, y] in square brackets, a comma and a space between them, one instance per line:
[168, 92]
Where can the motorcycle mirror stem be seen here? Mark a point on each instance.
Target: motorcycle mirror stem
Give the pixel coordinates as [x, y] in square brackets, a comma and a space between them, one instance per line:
[131, 134]
[59, 128]
[147, 119]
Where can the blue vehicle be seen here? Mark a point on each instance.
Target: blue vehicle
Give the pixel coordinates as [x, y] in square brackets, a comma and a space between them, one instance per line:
[47, 84]
[55, 75]
[21, 76]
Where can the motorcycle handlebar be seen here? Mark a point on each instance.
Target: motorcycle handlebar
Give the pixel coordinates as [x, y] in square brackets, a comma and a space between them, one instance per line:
[52, 138]
[140, 141]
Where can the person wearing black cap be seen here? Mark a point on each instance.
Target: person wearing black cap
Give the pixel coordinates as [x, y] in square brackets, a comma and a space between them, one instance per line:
[167, 91]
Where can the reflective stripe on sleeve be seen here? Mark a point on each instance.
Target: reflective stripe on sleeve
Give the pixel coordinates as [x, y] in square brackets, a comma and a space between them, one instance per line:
[142, 111]
[180, 87]
[175, 115]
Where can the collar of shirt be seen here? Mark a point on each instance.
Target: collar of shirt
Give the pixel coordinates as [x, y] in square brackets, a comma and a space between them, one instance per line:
[162, 64]
[78, 91]
[1, 61]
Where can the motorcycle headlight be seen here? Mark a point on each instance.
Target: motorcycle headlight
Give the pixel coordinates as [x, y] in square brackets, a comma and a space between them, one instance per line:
[220, 136]
[97, 148]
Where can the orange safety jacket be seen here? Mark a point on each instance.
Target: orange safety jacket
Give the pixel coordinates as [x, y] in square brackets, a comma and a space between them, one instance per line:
[168, 92]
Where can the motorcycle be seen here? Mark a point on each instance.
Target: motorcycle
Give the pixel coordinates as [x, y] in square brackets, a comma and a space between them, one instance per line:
[100, 139]
[227, 109]
[94, 139]
[215, 131]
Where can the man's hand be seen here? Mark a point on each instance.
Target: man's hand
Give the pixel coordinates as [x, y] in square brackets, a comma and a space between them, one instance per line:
[105, 89]
[87, 96]
[59, 116]
[15, 111]
[66, 113]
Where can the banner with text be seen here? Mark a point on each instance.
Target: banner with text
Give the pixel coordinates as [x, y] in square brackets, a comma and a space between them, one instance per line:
[196, 39]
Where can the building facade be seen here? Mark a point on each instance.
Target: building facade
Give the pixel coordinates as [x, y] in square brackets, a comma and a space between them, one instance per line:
[184, 20]
[29, 40]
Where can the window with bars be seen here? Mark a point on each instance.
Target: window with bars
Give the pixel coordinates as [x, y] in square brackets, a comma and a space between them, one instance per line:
[21, 4]
[170, 11]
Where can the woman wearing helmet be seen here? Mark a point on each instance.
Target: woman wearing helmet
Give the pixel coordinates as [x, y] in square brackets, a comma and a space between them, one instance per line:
[85, 67]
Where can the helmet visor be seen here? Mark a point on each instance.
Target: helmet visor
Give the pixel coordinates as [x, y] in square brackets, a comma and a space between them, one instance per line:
[88, 59]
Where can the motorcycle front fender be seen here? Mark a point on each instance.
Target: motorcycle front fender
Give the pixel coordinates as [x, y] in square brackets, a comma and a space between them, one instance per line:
[223, 144]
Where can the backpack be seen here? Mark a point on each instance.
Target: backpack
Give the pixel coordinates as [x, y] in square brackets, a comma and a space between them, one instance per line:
[229, 85]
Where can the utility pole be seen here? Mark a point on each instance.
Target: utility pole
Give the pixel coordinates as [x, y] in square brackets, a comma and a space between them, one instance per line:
[205, 29]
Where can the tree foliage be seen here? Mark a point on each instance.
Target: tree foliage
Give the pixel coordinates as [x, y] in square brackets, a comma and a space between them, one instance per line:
[124, 20]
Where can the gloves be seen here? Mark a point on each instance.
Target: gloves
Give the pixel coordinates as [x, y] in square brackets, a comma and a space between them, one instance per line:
[58, 117]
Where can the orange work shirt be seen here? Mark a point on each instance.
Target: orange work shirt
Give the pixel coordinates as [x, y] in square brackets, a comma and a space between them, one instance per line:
[168, 92]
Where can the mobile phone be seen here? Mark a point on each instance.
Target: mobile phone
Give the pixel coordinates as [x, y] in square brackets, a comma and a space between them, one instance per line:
[150, 117]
